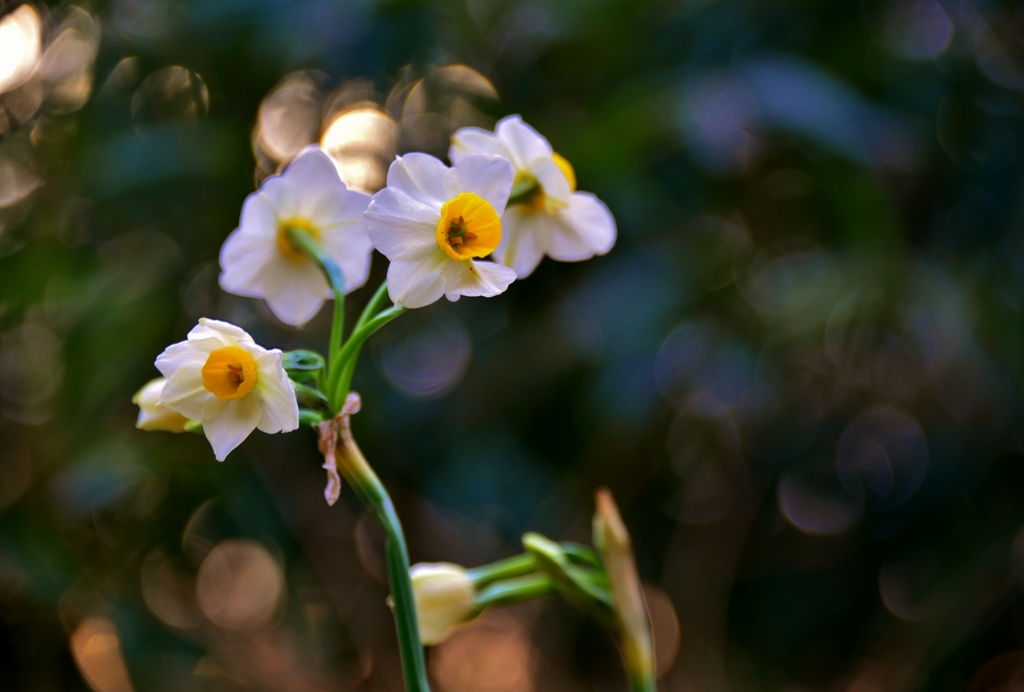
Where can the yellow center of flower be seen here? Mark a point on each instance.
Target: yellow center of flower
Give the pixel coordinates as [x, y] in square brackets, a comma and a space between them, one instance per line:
[284, 243]
[230, 373]
[539, 200]
[469, 227]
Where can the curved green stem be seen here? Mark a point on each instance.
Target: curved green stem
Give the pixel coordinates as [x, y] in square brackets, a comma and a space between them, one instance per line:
[350, 351]
[375, 305]
[366, 484]
[301, 239]
[518, 590]
[509, 568]
[345, 373]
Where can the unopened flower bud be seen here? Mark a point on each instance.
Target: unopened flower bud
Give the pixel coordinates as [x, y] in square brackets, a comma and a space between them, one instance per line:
[444, 598]
[613, 543]
[152, 416]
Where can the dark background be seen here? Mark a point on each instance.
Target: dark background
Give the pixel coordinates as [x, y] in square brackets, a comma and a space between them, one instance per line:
[799, 370]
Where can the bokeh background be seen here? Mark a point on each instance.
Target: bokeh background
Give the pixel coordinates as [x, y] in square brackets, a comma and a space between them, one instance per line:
[799, 370]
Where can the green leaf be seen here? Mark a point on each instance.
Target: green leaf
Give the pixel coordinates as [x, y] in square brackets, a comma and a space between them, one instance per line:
[302, 361]
[310, 397]
[579, 586]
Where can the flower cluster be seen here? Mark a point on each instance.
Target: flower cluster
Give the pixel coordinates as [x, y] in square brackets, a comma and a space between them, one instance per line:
[469, 229]
[305, 238]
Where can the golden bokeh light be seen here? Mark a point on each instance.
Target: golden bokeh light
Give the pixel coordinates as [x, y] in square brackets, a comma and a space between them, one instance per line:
[23, 101]
[465, 80]
[170, 94]
[439, 103]
[20, 46]
[96, 649]
[169, 591]
[239, 585]
[664, 627]
[493, 653]
[288, 119]
[68, 60]
[362, 141]
[17, 178]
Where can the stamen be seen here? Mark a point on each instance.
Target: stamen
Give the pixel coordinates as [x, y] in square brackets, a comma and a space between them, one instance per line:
[457, 233]
[469, 227]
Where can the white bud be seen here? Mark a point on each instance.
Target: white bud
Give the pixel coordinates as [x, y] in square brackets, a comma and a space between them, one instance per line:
[444, 598]
[152, 416]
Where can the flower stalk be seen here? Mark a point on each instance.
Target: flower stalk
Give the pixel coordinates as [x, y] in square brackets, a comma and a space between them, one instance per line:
[344, 459]
[341, 451]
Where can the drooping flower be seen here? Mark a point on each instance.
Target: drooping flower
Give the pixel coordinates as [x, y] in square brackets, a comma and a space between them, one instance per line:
[221, 377]
[153, 416]
[259, 261]
[554, 220]
[434, 222]
[444, 598]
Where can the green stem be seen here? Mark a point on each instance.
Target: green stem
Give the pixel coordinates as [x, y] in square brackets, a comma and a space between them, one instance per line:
[518, 590]
[522, 565]
[642, 684]
[582, 555]
[376, 304]
[374, 495]
[351, 350]
[301, 239]
[510, 568]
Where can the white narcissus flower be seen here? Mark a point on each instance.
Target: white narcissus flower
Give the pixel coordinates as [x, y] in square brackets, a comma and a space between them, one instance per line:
[221, 377]
[444, 598]
[432, 222]
[259, 261]
[556, 221]
[152, 416]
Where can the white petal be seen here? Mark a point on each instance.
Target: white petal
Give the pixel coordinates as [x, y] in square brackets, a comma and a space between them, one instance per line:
[417, 283]
[351, 249]
[228, 423]
[584, 229]
[280, 411]
[473, 140]
[294, 291]
[523, 142]
[469, 278]
[418, 176]
[258, 218]
[551, 178]
[209, 335]
[484, 174]
[184, 391]
[341, 207]
[311, 168]
[400, 227]
[282, 196]
[177, 355]
[523, 239]
[314, 180]
[242, 259]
